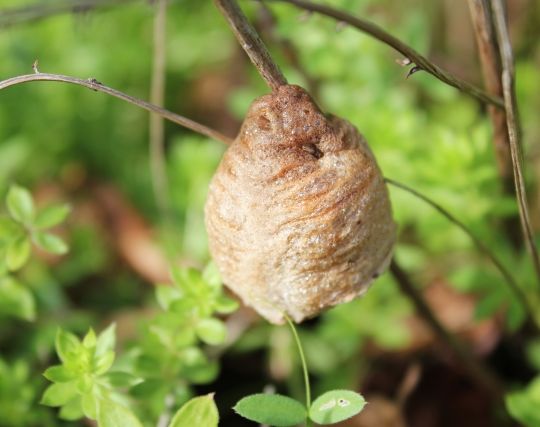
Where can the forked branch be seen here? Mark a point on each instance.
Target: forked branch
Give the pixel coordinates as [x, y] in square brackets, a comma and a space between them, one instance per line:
[378, 33]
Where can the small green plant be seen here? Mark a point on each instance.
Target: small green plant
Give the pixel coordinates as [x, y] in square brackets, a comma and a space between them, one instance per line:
[21, 226]
[281, 411]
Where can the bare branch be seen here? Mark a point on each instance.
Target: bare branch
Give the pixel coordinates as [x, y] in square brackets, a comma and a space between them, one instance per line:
[98, 87]
[252, 43]
[514, 134]
[378, 33]
[510, 281]
[476, 369]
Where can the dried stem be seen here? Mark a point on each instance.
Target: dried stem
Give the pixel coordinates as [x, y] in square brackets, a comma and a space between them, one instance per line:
[251, 43]
[514, 134]
[478, 372]
[157, 125]
[510, 281]
[378, 33]
[99, 87]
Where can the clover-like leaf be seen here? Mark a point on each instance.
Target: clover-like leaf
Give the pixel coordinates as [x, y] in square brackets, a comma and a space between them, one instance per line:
[272, 409]
[335, 406]
[20, 204]
[199, 411]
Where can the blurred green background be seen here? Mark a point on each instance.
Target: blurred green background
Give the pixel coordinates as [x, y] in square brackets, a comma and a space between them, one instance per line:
[71, 144]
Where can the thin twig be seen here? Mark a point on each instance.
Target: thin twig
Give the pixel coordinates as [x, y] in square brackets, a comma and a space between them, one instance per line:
[30, 13]
[378, 33]
[99, 87]
[476, 369]
[252, 43]
[491, 70]
[510, 281]
[156, 125]
[514, 134]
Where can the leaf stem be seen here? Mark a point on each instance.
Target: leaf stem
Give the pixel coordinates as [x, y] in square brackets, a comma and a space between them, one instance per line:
[304, 365]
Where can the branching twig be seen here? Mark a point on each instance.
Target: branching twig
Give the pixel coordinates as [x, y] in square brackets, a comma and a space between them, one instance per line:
[99, 87]
[510, 281]
[156, 125]
[415, 57]
[509, 93]
[477, 370]
[252, 43]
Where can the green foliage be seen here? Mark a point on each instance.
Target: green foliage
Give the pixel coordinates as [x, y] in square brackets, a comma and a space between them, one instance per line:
[81, 386]
[271, 409]
[199, 411]
[335, 406]
[523, 405]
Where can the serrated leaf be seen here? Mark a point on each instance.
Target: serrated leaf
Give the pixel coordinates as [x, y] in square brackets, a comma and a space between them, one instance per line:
[112, 414]
[199, 411]
[272, 409]
[59, 394]
[59, 374]
[20, 204]
[106, 340]
[18, 252]
[50, 243]
[211, 331]
[68, 346]
[16, 300]
[335, 406]
[51, 216]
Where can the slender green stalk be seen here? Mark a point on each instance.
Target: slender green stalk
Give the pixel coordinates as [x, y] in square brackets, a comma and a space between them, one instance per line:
[484, 249]
[304, 365]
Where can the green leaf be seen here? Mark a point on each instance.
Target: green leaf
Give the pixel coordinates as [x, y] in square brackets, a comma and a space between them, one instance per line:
[90, 405]
[199, 411]
[523, 405]
[122, 379]
[59, 374]
[68, 346]
[16, 300]
[51, 216]
[112, 414]
[106, 340]
[9, 229]
[18, 252]
[272, 409]
[335, 406]
[211, 276]
[59, 394]
[20, 204]
[72, 410]
[50, 243]
[211, 331]
[226, 305]
[103, 363]
[89, 340]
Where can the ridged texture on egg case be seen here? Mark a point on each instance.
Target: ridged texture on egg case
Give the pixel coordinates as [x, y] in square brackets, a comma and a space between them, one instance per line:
[298, 215]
